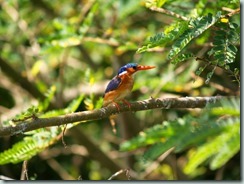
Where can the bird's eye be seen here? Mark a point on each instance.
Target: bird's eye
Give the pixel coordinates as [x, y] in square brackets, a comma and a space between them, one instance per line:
[134, 67]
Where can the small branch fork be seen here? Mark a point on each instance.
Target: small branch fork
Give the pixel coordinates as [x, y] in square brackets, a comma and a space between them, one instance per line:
[84, 116]
[120, 172]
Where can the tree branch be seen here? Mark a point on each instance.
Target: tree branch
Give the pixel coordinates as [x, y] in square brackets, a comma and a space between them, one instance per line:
[167, 12]
[152, 103]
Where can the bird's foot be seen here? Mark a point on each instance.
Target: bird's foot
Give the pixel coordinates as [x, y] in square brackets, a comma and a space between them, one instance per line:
[127, 103]
[117, 106]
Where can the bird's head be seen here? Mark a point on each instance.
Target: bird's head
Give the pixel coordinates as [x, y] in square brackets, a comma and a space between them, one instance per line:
[131, 68]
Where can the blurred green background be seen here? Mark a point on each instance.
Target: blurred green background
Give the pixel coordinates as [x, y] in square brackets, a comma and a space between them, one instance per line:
[76, 47]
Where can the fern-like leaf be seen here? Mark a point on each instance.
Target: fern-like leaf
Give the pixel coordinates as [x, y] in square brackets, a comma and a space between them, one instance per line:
[214, 132]
[37, 140]
[229, 149]
[69, 37]
[150, 136]
[182, 57]
[219, 146]
[192, 131]
[197, 27]
[224, 49]
[161, 39]
[28, 147]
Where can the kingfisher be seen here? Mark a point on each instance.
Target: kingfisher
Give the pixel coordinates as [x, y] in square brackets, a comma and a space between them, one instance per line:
[121, 85]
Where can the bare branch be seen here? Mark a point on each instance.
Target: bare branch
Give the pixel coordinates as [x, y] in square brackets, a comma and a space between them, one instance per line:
[113, 43]
[64, 143]
[120, 172]
[24, 172]
[236, 11]
[167, 12]
[84, 116]
[154, 165]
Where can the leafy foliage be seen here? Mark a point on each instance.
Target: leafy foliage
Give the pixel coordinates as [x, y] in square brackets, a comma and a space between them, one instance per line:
[183, 33]
[66, 32]
[32, 111]
[29, 146]
[215, 132]
[170, 34]
[225, 39]
[196, 27]
[182, 57]
[77, 46]
[220, 149]
[37, 140]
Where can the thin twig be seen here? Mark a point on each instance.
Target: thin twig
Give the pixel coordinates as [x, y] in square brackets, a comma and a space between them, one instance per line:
[156, 163]
[102, 41]
[84, 116]
[167, 12]
[24, 172]
[227, 9]
[236, 11]
[237, 76]
[120, 172]
[215, 85]
[79, 178]
[65, 145]
[60, 169]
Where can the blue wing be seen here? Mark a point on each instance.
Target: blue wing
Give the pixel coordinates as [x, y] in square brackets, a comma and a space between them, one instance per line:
[113, 84]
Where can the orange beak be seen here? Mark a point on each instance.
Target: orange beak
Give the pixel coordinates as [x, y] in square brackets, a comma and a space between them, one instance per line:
[141, 67]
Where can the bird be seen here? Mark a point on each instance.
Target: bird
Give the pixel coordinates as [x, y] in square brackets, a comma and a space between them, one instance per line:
[121, 85]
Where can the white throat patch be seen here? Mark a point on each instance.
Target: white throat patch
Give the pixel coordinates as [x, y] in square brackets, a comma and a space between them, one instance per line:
[124, 72]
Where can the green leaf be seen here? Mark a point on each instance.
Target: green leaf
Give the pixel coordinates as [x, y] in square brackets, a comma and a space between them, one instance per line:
[213, 130]
[209, 76]
[229, 149]
[73, 106]
[200, 70]
[182, 57]
[39, 139]
[224, 50]
[29, 146]
[43, 105]
[88, 20]
[169, 35]
[197, 27]
[148, 137]
[215, 147]
[157, 149]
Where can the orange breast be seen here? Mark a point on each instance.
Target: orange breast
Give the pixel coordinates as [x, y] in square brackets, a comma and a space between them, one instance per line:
[121, 92]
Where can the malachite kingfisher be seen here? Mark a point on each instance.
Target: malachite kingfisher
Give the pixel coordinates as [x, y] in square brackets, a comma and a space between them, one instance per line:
[121, 85]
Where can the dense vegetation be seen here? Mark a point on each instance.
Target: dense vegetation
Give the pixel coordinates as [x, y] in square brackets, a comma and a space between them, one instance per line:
[57, 57]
